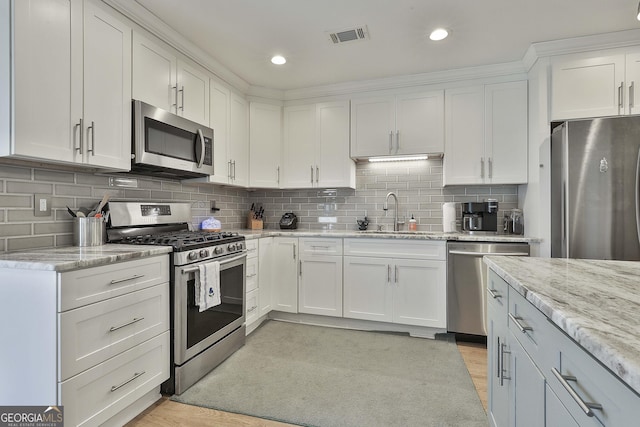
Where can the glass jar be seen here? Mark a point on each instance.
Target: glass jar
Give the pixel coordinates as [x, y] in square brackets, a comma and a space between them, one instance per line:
[517, 218]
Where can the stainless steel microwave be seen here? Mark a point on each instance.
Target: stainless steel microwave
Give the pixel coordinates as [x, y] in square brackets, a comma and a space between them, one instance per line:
[167, 145]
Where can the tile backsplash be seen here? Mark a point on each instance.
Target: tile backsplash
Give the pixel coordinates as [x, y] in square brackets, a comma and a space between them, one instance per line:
[417, 184]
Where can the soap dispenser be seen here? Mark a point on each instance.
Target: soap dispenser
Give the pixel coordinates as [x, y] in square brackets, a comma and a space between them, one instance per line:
[413, 224]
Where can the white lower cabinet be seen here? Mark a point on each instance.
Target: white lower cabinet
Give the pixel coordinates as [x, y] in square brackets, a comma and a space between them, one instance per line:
[284, 287]
[265, 268]
[252, 306]
[381, 286]
[320, 281]
[542, 377]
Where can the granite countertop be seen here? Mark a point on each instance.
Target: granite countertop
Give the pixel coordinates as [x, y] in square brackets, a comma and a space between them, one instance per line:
[408, 235]
[597, 303]
[74, 257]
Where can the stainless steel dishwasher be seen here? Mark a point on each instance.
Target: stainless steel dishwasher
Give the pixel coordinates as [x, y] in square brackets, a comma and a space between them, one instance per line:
[467, 283]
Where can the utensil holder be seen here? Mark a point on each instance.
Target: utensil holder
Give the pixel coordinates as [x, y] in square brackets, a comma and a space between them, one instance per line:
[88, 231]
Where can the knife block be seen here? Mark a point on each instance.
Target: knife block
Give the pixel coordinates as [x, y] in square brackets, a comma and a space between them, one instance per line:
[254, 224]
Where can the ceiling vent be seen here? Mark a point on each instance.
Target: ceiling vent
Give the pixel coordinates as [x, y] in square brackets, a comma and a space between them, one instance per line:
[349, 35]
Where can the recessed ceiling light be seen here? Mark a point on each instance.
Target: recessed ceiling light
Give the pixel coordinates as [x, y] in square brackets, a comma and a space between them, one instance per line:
[279, 60]
[439, 34]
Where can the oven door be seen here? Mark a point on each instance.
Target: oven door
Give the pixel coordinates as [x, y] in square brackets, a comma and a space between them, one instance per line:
[195, 331]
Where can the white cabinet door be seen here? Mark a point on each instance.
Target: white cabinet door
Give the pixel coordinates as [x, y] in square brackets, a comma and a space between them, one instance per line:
[193, 93]
[372, 126]
[320, 289]
[219, 99]
[632, 76]
[498, 391]
[464, 159]
[555, 412]
[367, 288]
[154, 74]
[47, 64]
[265, 274]
[419, 123]
[107, 89]
[299, 146]
[285, 274]
[419, 294]
[238, 148]
[265, 145]
[506, 137]
[587, 87]
[527, 387]
[334, 167]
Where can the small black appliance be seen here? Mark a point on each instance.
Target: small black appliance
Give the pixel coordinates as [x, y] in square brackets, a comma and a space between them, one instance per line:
[480, 216]
[289, 221]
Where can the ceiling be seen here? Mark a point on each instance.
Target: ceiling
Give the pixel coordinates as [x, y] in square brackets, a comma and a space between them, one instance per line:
[244, 34]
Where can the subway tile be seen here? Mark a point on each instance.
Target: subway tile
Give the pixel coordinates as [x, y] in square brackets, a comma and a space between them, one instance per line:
[15, 230]
[90, 179]
[160, 195]
[9, 201]
[64, 240]
[15, 172]
[25, 215]
[137, 194]
[29, 187]
[53, 176]
[59, 227]
[22, 243]
[171, 186]
[72, 190]
[180, 196]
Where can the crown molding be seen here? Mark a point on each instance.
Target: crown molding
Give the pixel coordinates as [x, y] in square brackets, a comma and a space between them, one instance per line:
[398, 82]
[593, 42]
[141, 16]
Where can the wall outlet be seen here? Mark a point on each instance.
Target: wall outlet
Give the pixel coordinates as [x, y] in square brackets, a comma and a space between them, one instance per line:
[41, 205]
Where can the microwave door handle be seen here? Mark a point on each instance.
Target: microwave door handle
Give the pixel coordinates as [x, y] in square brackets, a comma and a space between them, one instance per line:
[202, 148]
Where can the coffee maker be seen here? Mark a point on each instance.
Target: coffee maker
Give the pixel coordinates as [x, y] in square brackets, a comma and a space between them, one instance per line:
[480, 216]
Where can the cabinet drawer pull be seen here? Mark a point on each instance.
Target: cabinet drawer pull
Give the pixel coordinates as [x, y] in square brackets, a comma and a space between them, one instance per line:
[135, 320]
[136, 375]
[585, 406]
[493, 293]
[252, 309]
[252, 275]
[134, 277]
[516, 320]
[503, 371]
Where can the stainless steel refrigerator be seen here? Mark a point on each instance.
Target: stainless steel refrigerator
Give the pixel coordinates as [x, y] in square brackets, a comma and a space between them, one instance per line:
[595, 173]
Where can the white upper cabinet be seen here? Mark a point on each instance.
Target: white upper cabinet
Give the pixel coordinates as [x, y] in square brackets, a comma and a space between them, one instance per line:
[265, 145]
[398, 125]
[316, 146]
[238, 146]
[219, 121]
[79, 110]
[169, 83]
[590, 85]
[486, 134]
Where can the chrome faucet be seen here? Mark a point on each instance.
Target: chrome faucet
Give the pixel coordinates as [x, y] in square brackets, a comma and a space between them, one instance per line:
[385, 207]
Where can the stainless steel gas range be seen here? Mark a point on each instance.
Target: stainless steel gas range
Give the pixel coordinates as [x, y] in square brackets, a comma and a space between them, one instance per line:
[201, 340]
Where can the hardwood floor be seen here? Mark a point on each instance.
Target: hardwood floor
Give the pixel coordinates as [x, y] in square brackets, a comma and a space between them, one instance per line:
[166, 413]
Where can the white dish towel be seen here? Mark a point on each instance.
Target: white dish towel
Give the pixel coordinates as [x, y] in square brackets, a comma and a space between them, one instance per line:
[207, 285]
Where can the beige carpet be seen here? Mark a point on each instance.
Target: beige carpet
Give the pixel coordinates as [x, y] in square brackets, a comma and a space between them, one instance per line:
[325, 377]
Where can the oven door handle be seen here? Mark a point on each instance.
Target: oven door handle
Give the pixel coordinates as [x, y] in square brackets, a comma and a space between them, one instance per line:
[226, 261]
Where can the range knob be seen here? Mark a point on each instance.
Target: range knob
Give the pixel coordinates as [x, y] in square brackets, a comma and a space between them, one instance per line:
[239, 246]
[231, 247]
[218, 250]
[204, 253]
[192, 256]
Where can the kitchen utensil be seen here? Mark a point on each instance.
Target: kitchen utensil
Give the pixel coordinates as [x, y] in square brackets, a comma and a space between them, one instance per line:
[103, 202]
[83, 211]
[72, 213]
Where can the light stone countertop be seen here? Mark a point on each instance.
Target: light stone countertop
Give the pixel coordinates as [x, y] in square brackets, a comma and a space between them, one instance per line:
[407, 235]
[74, 257]
[597, 303]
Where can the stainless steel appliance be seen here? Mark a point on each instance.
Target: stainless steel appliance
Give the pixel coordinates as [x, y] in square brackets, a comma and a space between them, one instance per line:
[595, 175]
[167, 145]
[200, 340]
[467, 283]
[289, 221]
[480, 216]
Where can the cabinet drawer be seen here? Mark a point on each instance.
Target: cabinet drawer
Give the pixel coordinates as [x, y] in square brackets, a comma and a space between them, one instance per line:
[89, 285]
[99, 393]
[252, 248]
[497, 294]
[391, 248]
[593, 383]
[252, 274]
[252, 306]
[320, 246]
[529, 326]
[91, 334]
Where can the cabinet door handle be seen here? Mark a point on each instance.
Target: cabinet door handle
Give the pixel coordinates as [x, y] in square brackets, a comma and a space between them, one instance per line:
[585, 406]
[80, 126]
[317, 174]
[395, 274]
[493, 293]
[388, 273]
[278, 174]
[294, 251]
[252, 309]
[126, 279]
[490, 167]
[300, 262]
[136, 375]
[498, 371]
[620, 97]
[312, 174]
[92, 150]
[175, 98]
[390, 141]
[481, 167]
[182, 97]
[632, 96]
[516, 320]
[397, 141]
[135, 320]
[502, 370]
[234, 169]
